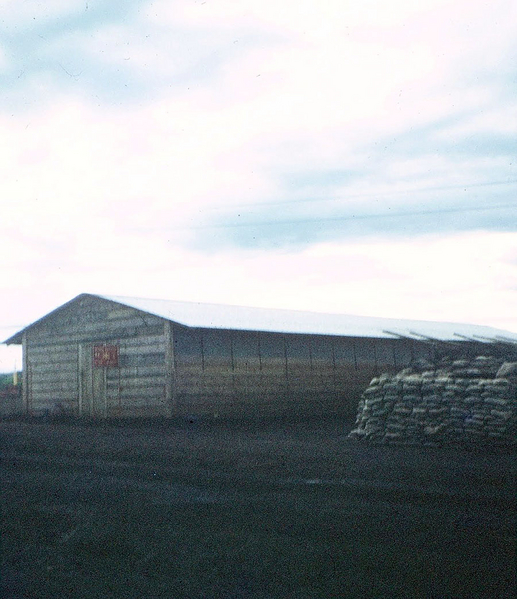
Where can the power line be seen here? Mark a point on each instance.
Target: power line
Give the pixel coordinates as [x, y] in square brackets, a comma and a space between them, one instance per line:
[351, 217]
[372, 195]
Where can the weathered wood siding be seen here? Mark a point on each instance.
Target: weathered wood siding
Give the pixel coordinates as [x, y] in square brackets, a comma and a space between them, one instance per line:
[165, 368]
[58, 353]
[233, 372]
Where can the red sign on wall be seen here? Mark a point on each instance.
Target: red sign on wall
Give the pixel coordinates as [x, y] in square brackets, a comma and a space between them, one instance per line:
[105, 355]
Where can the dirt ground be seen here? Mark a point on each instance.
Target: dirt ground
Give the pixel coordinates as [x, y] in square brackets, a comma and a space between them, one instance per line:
[207, 510]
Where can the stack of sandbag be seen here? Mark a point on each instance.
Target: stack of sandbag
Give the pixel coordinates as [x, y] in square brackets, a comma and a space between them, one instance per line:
[454, 401]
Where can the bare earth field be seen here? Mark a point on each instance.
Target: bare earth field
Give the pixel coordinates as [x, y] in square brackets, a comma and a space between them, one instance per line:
[207, 510]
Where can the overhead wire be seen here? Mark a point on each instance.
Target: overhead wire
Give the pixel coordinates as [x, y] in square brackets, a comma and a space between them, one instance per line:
[353, 217]
[371, 194]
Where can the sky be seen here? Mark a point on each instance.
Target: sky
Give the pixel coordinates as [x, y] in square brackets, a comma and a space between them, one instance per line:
[334, 156]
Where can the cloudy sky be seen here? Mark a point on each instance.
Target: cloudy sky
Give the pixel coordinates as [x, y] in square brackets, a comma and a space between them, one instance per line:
[330, 155]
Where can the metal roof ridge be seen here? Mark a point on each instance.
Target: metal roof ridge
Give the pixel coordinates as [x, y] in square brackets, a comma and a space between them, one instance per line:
[238, 317]
[120, 299]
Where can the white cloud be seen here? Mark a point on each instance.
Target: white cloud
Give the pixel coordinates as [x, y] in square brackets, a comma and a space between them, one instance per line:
[300, 15]
[4, 61]
[493, 120]
[465, 278]
[94, 196]
[36, 12]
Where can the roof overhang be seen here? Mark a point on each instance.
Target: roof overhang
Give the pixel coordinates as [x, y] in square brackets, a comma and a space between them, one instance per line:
[17, 338]
[215, 316]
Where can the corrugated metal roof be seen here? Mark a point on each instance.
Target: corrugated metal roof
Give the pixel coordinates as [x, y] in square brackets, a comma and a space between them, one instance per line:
[216, 316]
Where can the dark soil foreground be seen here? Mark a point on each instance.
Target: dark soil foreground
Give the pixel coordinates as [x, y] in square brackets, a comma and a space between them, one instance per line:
[197, 510]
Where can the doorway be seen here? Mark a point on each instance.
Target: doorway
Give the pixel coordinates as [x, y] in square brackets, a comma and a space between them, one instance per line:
[92, 385]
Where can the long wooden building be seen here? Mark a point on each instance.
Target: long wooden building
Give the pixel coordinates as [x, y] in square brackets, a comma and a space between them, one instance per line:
[104, 356]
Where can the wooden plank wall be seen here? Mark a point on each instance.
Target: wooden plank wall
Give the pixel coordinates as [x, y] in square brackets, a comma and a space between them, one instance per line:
[52, 374]
[137, 387]
[234, 372]
[52, 369]
[169, 369]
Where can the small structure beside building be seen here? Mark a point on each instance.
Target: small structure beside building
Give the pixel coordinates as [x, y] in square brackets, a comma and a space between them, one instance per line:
[104, 356]
[10, 398]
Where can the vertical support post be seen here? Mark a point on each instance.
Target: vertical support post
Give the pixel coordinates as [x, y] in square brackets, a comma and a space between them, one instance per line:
[334, 373]
[170, 369]
[105, 391]
[119, 390]
[25, 374]
[394, 349]
[286, 365]
[259, 352]
[80, 379]
[232, 356]
[92, 383]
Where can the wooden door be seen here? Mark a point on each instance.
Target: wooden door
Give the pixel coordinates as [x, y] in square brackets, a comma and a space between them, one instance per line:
[92, 385]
